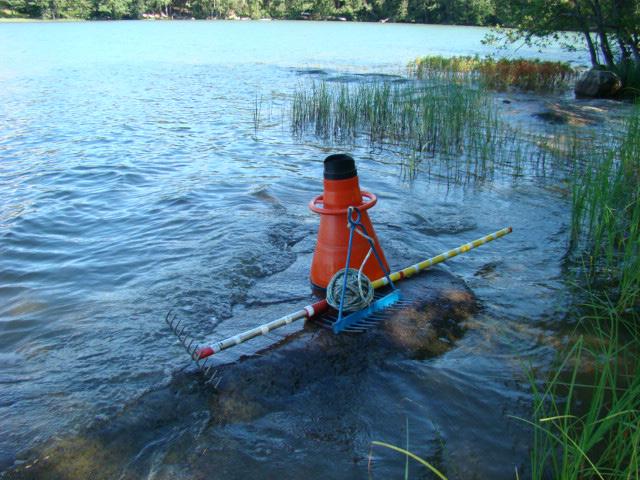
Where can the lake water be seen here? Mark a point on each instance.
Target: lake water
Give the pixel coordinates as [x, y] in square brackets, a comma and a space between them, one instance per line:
[133, 181]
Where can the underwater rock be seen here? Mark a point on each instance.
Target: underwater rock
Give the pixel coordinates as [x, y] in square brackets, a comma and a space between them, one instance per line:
[169, 429]
[433, 323]
[439, 303]
[565, 113]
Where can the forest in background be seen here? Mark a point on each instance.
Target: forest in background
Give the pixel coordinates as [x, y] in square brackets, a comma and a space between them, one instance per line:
[459, 12]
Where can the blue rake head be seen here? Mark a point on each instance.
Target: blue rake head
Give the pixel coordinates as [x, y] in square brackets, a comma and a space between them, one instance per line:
[366, 317]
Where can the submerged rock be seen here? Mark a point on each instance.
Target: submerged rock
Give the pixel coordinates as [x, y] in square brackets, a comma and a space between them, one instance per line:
[188, 423]
[598, 84]
[585, 112]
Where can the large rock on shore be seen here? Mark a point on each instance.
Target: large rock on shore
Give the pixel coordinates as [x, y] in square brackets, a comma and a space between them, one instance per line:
[598, 84]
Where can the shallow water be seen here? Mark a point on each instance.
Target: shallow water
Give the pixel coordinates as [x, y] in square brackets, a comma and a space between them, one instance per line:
[133, 181]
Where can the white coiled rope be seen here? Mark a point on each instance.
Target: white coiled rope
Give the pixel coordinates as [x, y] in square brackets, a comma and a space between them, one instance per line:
[359, 292]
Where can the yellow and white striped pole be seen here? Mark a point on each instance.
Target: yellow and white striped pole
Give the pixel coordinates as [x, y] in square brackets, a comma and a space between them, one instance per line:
[443, 257]
[201, 352]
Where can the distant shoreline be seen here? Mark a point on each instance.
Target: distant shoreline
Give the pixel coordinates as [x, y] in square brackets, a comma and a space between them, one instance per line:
[236, 19]
[176, 18]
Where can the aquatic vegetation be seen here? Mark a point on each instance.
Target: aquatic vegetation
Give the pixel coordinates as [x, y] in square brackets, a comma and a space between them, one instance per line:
[413, 456]
[629, 73]
[606, 217]
[530, 75]
[452, 128]
[587, 424]
[586, 416]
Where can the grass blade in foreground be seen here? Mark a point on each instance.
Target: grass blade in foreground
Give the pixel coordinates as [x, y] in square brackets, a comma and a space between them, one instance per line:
[437, 472]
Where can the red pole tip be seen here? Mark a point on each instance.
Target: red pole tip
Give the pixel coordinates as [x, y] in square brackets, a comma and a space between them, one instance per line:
[205, 352]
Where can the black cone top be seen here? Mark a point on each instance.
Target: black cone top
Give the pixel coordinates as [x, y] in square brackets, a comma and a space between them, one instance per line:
[339, 167]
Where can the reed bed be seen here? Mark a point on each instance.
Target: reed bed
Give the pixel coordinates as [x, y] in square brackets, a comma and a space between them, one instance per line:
[606, 217]
[504, 74]
[587, 415]
[449, 129]
[586, 425]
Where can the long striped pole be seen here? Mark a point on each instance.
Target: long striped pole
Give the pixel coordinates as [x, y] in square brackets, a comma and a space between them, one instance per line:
[319, 307]
[443, 257]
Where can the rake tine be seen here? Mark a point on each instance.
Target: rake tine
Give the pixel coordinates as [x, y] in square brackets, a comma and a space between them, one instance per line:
[194, 353]
[214, 377]
[352, 329]
[181, 335]
[176, 326]
[179, 329]
[207, 370]
[366, 323]
[363, 326]
[326, 321]
[202, 364]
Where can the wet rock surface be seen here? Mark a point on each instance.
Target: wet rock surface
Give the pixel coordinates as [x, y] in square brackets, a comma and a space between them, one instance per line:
[598, 84]
[177, 429]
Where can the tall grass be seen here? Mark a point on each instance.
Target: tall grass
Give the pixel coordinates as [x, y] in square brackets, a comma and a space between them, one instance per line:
[587, 415]
[589, 428]
[606, 218]
[530, 75]
[452, 127]
[629, 73]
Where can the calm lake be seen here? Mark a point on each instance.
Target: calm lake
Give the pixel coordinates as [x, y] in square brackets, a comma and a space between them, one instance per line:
[133, 180]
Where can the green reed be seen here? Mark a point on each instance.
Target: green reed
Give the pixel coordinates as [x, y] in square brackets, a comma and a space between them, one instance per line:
[524, 74]
[606, 217]
[453, 127]
[587, 415]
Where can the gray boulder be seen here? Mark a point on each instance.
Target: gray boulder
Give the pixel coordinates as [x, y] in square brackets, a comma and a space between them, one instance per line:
[598, 84]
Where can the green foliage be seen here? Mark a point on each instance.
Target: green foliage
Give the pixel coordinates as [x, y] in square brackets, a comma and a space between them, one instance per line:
[532, 75]
[606, 217]
[629, 73]
[448, 128]
[586, 417]
[590, 429]
[466, 12]
[610, 28]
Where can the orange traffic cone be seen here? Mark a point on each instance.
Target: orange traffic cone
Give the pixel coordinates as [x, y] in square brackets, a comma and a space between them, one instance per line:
[342, 190]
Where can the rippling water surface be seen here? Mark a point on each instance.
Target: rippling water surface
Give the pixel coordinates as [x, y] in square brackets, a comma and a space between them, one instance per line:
[133, 181]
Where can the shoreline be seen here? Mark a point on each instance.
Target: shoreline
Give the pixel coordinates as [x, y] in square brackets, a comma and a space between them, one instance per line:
[158, 18]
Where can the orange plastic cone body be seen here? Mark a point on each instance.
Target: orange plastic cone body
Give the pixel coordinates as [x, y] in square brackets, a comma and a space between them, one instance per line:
[333, 235]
